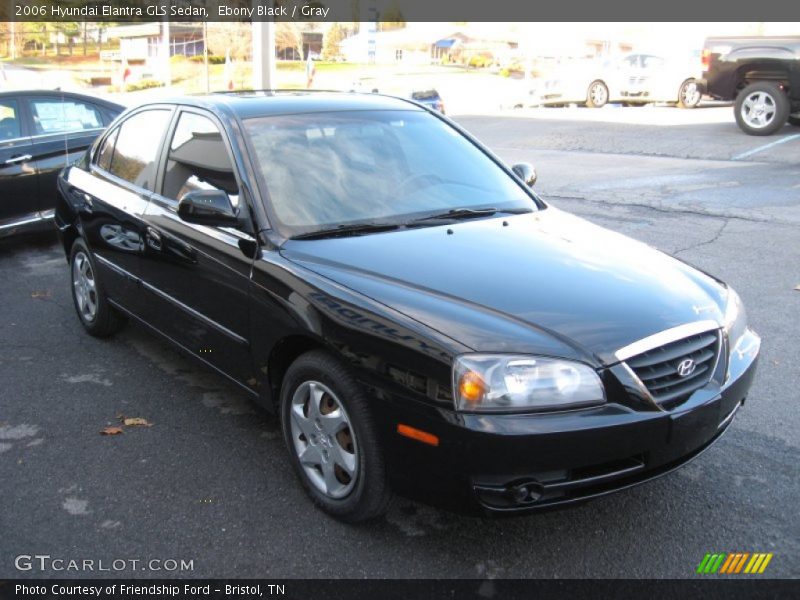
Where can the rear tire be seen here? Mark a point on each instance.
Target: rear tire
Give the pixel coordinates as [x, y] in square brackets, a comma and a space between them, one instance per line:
[761, 108]
[332, 440]
[689, 94]
[96, 315]
[597, 94]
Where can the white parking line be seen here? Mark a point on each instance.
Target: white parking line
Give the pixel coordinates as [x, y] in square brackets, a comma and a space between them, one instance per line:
[783, 140]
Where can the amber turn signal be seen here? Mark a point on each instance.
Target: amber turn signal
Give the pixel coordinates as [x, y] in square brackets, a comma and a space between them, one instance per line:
[417, 434]
[472, 387]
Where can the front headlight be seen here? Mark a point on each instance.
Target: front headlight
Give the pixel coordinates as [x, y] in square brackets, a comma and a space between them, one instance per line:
[735, 318]
[519, 383]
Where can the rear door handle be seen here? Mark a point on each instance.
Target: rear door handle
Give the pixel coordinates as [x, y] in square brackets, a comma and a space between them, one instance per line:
[18, 159]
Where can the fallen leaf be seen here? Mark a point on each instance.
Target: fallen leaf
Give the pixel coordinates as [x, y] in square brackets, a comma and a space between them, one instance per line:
[111, 431]
[41, 294]
[136, 422]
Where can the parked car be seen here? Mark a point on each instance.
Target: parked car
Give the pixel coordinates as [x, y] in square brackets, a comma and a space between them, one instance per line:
[40, 133]
[418, 318]
[649, 78]
[762, 75]
[430, 98]
[591, 82]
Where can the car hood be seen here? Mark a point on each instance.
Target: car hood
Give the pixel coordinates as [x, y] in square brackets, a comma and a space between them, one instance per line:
[546, 282]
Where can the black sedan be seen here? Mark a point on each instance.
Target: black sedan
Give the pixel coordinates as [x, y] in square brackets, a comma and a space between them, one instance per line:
[420, 320]
[41, 132]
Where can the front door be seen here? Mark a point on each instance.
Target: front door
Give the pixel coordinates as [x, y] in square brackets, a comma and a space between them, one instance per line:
[197, 276]
[18, 185]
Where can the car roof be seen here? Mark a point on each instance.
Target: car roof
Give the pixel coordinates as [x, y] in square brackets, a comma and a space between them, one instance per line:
[65, 94]
[251, 104]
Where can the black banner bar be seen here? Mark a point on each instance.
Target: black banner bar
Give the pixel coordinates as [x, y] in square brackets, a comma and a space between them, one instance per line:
[346, 589]
[397, 10]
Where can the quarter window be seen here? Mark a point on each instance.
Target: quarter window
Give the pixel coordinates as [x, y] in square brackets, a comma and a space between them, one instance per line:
[198, 160]
[107, 150]
[9, 120]
[53, 115]
[137, 145]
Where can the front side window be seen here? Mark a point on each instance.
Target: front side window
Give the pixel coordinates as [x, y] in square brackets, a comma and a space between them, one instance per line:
[137, 146]
[198, 160]
[322, 170]
[53, 115]
[9, 120]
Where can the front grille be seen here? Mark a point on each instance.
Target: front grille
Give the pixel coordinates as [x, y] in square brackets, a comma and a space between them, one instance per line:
[659, 369]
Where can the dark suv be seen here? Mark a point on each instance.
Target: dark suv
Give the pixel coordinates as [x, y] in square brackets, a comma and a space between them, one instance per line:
[762, 74]
[416, 315]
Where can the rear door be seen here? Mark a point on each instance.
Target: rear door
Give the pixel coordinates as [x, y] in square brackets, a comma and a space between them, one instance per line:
[198, 277]
[62, 128]
[113, 196]
[18, 185]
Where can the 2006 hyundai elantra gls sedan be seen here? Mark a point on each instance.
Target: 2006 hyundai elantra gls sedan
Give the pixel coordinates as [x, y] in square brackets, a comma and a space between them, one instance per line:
[420, 320]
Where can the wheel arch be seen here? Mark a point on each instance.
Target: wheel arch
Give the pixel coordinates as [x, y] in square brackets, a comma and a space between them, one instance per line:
[285, 351]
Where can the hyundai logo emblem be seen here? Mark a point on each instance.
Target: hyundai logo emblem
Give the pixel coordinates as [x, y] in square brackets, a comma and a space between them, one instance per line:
[686, 367]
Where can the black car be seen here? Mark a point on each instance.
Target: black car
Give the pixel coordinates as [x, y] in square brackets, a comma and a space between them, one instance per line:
[41, 132]
[416, 315]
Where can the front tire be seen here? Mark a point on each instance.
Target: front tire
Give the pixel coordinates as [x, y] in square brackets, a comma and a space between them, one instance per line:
[97, 316]
[332, 440]
[689, 94]
[761, 108]
[597, 94]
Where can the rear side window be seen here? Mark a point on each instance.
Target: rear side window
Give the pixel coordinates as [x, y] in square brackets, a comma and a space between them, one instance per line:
[9, 120]
[53, 115]
[136, 147]
[198, 160]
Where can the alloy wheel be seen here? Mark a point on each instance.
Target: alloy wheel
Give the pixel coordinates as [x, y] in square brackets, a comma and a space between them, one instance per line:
[323, 439]
[758, 110]
[599, 94]
[690, 94]
[84, 287]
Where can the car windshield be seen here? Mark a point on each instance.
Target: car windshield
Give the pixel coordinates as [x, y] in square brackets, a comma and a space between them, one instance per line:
[326, 170]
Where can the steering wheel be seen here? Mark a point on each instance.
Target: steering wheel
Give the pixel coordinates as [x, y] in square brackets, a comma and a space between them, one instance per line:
[8, 128]
[418, 181]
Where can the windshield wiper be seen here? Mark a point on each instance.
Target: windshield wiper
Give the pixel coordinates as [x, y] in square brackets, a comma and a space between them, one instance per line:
[346, 230]
[470, 213]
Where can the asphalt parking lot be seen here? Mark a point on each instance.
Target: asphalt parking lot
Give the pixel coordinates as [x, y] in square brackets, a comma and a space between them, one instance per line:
[209, 481]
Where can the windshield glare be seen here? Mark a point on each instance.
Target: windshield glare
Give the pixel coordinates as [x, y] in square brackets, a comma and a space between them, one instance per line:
[323, 170]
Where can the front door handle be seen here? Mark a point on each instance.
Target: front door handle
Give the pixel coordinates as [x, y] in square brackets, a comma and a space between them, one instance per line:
[153, 239]
[18, 159]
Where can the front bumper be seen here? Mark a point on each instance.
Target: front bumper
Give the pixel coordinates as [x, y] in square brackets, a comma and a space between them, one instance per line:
[520, 463]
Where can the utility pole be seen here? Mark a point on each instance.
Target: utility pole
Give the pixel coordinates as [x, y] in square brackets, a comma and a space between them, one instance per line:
[264, 55]
[13, 40]
[166, 75]
[205, 56]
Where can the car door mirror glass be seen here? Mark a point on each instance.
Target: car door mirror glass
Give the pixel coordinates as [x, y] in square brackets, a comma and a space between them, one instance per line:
[526, 172]
[207, 207]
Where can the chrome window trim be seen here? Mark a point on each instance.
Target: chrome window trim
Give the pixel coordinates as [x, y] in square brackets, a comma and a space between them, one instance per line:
[55, 133]
[40, 216]
[665, 337]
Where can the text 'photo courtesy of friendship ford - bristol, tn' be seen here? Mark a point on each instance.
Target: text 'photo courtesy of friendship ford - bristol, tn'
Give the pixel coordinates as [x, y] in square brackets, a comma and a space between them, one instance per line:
[419, 319]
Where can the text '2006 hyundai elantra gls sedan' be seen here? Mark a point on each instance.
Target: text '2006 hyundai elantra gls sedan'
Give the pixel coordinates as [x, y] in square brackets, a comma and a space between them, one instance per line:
[418, 318]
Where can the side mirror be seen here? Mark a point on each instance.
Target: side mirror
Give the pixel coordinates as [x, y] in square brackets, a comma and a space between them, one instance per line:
[525, 172]
[207, 207]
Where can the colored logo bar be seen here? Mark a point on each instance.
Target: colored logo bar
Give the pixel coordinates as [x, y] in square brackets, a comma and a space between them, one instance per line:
[734, 563]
